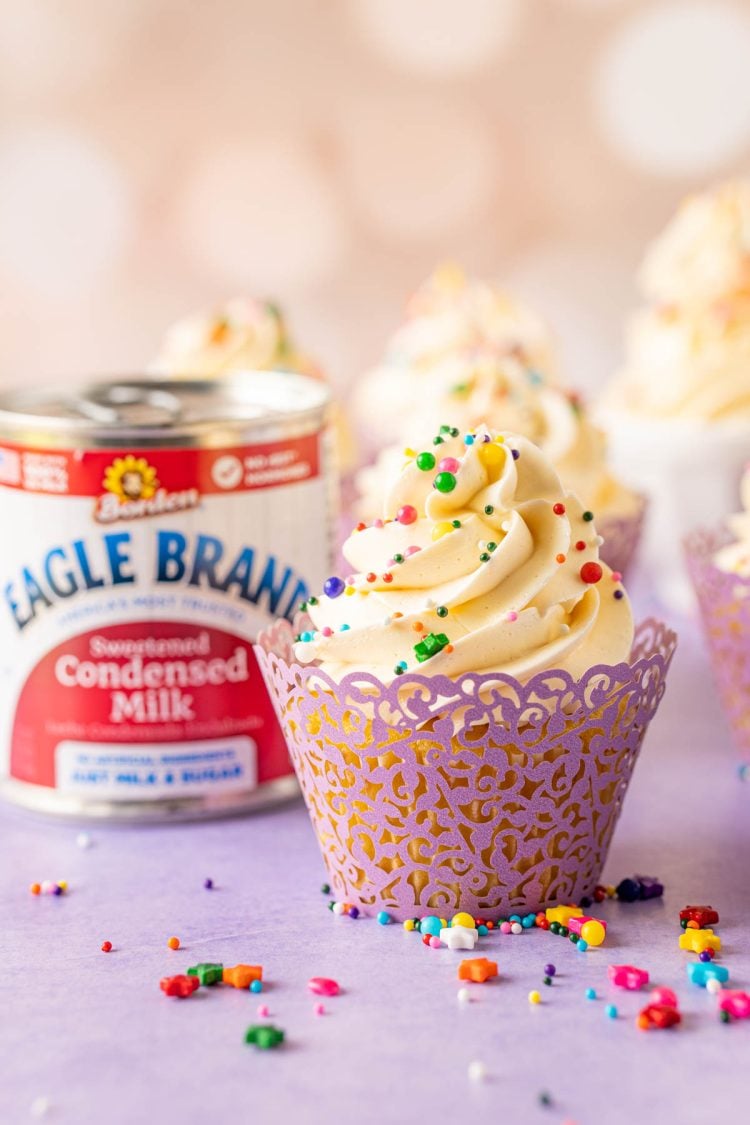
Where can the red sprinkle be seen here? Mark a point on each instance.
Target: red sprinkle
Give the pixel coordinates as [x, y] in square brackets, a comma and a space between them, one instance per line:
[407, 514]
[558, 509]
[387, 577]
[371, 577]
[560, 558]
[591, 572]
[106, 947]
[580, 545]
[360, 527]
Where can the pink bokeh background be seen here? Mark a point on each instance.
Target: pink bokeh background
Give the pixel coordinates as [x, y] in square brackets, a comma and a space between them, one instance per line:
[158, 156]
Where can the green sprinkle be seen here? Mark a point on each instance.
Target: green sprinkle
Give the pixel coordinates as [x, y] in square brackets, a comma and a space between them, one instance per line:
[425, 462]
[588, 516]
[430, 645]
[492, 547]
[455, 523]
[488, 509]
[444, 482]
[484, 557]
[398, 558]
[312, 601]
[437, 441]
[442, 611]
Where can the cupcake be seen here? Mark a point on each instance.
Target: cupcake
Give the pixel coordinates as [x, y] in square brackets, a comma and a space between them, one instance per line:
[449, 314]
[244, 334]
[465, 709]
[678, 414]
[719, 566]
[471, 386]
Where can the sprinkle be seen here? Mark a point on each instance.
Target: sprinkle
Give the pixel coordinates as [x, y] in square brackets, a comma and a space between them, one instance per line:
[312, 601]
[591, 994]
[327, 631]
[353, 912]
[442, 611]
[535, 997]
[209, 885]
[582, 945]
[263, 1011]
[377, 523]
[406, 514]
[174, 943]
[370, 577]
[35, 888]
[558, 509]
[616, 576]
[256, 986]
[383, 918]
[83, 840]
[437, 440]
[398, 558]
[334, 586]
[477, 1071]
[491, 547]
[400, 668]
[611, 1012]
[325, 889]
[319, 1009]
[449, 465]
[516, 454]
[550, 970]
[411, 551]
[469, 439]
[591, 572]
[560, 558]
[324, 986]
[443, 527]
[387, 577]
[588, 516]
[463, 996]
[426, 462]
[39, 1107]
[417, 626]
[511, 616]
[338, 908]
[484, 557]
[516, 928]
[580, 545]
[619, 594]
[430, 645]
[106, 947]
[409, 452]
[445, 482]
[488, 509]
[455, 523]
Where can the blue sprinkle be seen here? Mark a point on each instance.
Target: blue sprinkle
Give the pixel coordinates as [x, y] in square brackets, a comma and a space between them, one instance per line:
[306, 636]
[482, 930]
[383, 918]
[591, 994]
[611, 1012]
[582, 945]
[256, 985]
[344, 628]
[515, 918]
[469, 439]
[528, 921]
[334, 587]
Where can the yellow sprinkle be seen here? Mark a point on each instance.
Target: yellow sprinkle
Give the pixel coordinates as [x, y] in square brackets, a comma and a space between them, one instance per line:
[441, 529]
[410, 452]
[534, 997]
[63, 884]
[500, 440]
[491, 455]
[349, 590]
[409, 924]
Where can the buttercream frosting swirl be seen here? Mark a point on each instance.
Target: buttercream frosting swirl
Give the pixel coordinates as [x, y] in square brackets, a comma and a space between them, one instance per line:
[483, 564]
[688, 351]
[244, 334]
[500, 390]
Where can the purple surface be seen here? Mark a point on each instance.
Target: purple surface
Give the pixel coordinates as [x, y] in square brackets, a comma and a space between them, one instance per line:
[431, 795]
[92, 1033]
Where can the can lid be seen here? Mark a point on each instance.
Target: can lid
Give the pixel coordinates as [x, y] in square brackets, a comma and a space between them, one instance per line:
[153, 405]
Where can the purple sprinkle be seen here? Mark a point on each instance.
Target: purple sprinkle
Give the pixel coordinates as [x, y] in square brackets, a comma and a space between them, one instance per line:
[208, 884]
[704, 956]
[354, 912]
[486, 438]
[334, 587]
[549, 970]
[618, 593]
[516, 454]
[57, 890]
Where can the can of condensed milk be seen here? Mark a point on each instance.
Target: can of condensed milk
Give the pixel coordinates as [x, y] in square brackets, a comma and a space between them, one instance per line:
[150, 530]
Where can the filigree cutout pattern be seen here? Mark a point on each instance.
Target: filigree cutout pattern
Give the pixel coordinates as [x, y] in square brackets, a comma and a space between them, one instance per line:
[724, 601]
[621, 535]
[479, 793]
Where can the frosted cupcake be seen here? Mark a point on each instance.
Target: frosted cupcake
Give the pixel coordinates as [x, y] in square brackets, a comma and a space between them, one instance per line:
[719, 565]
[448, 315]
[244, 334]
[678, 414]
[464, 710]
[469, 387]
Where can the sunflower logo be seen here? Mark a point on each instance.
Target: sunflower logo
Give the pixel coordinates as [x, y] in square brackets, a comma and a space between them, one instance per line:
[130, 478]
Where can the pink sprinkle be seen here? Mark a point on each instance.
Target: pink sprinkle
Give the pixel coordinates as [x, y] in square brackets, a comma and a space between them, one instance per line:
[327, 631]
[350, 580]
[411, 551]
[263, 1010]
[505, 928]
[449, 465]
[378, 523]
[512, 616]
[319, 1010]
[323, 986]
[435, 942]
[616, 576]
[407, 514]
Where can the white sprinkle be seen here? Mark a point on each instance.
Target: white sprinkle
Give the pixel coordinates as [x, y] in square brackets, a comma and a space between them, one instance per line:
[39, 1107]
[338, 908]
[83, 840]
[477, 1071]
[516, 928]
[463, 996]
[713, 985]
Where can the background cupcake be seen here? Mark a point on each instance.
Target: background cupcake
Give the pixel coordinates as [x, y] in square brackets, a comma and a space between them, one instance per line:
[464, 711]
[469, 353]
[678, 414]
[719, 565]
[243, 334]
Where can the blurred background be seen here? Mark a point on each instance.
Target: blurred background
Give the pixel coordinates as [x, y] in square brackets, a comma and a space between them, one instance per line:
[157, 156]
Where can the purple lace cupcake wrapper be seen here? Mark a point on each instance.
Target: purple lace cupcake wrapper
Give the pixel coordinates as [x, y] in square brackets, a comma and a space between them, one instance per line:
[480, 794]
[724, 601]
[621, 535]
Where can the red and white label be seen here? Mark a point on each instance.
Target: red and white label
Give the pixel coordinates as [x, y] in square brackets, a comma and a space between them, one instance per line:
[132, 588]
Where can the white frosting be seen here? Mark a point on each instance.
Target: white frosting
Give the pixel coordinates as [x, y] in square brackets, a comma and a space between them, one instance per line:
[735, 557]
[510, 575]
